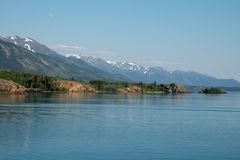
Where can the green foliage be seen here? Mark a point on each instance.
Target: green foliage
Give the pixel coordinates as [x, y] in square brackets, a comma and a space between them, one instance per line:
[46, 83]
[104, 86]
[29, 80]
[152, 87]
[98, 84]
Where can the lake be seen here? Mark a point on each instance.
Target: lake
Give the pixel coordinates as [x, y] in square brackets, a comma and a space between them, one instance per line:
[61, 126]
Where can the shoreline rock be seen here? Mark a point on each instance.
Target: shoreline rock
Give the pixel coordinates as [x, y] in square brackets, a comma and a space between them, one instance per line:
[176, 88]
[130, 90]
[12, 87]
[72, 86]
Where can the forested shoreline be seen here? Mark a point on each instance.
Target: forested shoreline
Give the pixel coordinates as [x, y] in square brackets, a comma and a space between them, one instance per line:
[48, 83]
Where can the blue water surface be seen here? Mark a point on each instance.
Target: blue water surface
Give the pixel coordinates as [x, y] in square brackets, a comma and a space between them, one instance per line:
[61, 126]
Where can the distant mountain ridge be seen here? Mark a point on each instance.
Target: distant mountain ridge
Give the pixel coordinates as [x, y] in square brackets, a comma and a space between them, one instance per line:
[140, 73]
[28, 55]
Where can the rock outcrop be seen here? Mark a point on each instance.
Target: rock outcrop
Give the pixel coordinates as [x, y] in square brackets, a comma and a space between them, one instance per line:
[176, 88]
[131, 89]
[72, 86]
[10, 86]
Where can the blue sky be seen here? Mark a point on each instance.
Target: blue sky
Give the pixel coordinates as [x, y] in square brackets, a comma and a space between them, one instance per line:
[199, 35]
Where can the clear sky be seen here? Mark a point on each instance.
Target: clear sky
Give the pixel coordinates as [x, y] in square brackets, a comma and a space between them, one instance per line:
[199, 35]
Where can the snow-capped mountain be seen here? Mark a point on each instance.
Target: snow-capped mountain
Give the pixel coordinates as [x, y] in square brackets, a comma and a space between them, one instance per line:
[111, 66]
[139, 73]
[97, 62]
[29, 44]
[132, 70]
[23, 42]
[101, 64]
[129, 66]
[16, 55]
[28, 55]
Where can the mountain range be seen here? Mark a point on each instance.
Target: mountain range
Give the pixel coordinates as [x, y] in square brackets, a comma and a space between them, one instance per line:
[28, 55]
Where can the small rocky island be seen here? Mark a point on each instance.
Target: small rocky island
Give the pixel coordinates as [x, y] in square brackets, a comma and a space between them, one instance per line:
[212, 90]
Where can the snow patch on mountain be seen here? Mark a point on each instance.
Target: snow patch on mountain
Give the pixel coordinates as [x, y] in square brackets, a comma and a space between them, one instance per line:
[129, 66]
[111, 62]
[13, 37]
[146, 71]
[28, 40]
[28, 47]
[74, 55]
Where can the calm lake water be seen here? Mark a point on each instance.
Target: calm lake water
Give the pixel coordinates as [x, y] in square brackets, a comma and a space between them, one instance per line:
[60, 126]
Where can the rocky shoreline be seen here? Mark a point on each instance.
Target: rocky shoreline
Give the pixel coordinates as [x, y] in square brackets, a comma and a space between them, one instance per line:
[62, 85]
[176, 88]
[12, 87]
[74, 86]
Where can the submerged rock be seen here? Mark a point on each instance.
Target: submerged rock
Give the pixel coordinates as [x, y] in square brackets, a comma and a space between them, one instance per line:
[12, 87]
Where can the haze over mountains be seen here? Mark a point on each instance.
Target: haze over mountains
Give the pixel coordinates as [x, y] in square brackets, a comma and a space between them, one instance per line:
[28, 55]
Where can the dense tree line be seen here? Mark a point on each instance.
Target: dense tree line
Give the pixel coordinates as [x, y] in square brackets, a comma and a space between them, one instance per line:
[30, 81]
[46, 83]
[101, 85]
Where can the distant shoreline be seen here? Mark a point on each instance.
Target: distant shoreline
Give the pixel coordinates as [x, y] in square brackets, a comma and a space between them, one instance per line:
[15, 82]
